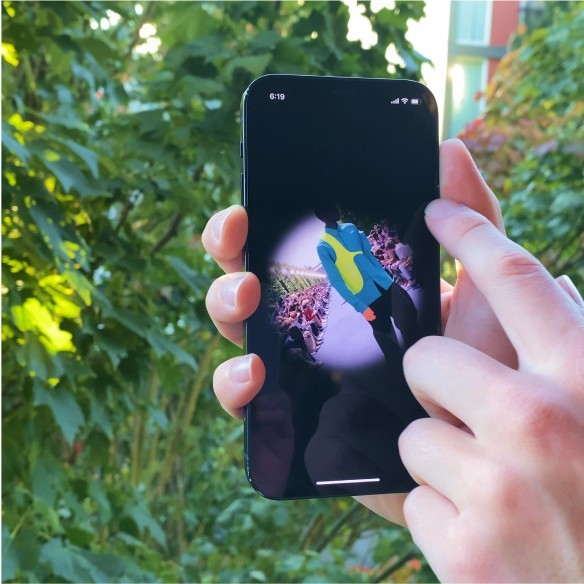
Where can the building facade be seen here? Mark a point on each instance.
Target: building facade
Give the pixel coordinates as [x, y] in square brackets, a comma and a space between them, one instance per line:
[479, 36]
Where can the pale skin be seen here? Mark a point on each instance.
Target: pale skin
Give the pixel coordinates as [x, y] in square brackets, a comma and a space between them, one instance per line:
[500, 462]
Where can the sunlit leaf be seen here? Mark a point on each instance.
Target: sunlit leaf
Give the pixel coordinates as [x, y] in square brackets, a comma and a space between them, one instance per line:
[32, 316]
[66, 411]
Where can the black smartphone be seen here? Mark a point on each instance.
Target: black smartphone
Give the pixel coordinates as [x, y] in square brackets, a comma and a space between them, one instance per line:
[336, 175]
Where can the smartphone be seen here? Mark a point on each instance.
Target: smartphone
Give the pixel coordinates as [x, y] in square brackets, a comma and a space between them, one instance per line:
[336, 175]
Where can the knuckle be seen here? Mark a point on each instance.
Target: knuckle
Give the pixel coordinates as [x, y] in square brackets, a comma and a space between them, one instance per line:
[537, 415]
[515, 262]
[544, 423]
[471, 224]
[501, 489]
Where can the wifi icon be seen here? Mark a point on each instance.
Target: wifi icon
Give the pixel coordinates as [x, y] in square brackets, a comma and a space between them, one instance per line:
[404, 100]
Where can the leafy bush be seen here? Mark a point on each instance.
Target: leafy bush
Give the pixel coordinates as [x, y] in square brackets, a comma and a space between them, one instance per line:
[120, 139]
[530, 142]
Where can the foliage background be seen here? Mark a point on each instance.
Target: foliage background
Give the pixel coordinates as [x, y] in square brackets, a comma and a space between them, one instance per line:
[529, 144]
[120, 139]
[118, 464]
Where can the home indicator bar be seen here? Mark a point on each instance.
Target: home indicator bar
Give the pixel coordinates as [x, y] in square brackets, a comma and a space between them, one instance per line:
[349, 481]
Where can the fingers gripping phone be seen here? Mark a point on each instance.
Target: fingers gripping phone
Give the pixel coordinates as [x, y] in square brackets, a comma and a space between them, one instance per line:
[337, 173]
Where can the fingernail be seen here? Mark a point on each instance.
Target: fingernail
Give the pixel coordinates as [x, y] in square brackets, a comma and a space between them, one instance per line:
[218, 222]
[241, 371]
[566, 283]
[441, 208]
[229, 288]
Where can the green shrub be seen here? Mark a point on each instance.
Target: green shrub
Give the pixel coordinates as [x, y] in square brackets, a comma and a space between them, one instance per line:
[529, 144]
[118, 463]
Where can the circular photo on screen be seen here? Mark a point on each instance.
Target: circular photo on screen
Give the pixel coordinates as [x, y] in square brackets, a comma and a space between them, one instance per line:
[343, 291]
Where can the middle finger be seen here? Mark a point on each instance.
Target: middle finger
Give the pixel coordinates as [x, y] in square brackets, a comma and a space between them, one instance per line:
[450, 378]
[230, 300]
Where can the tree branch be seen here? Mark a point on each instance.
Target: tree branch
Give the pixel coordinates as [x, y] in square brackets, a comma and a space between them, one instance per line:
[394, 566]
[124, 215]
[170, 233]
[337, 526]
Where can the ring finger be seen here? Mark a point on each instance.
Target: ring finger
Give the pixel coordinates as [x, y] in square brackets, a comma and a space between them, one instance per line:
[230, 300]
[439, 455]
[237, 381]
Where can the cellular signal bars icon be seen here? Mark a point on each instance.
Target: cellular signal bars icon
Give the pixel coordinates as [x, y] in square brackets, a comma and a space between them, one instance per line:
[396, 100]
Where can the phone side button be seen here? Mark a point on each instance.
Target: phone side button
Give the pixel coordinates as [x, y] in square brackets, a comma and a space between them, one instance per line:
[240, 149]
[243, 201]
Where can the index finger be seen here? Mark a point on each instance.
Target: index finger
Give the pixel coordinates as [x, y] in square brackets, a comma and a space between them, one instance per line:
[530, 305]
[462, 182]
[224, 237]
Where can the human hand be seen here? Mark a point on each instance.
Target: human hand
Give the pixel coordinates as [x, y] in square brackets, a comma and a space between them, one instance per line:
[466, 316]
[369, 314]
[501, 497]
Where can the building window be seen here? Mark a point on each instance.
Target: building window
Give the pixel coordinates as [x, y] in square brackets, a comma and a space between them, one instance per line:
[467, 77]
[473, 22]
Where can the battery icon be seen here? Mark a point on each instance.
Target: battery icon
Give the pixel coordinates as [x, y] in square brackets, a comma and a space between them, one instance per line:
[416, 101]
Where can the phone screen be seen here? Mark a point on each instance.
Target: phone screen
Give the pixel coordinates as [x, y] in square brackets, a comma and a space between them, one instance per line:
[337, 173]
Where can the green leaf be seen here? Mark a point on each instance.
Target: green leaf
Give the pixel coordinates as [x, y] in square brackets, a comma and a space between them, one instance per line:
[69, 122]
[47, 479]
[196, 282]
[65, 563]
[100, 498]
[203, 86]
[110, 341]
[100, 417]
[256, 64]
[10, 142]
[66, 411]
[129, 540]
[132, 320]
[77, 280]
[162, 344]
[185, 23]
[293, 563]
[266, 39]
[159, 417]
[150, 120]
[9, 557]
[105, 567]
[62, 242]
[79, 536]
[26, 549]
[145, 522]
[88, 156]
[257, 576]
[69, 175]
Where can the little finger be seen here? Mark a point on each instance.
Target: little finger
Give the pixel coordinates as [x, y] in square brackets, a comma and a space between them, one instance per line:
[237, 381]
